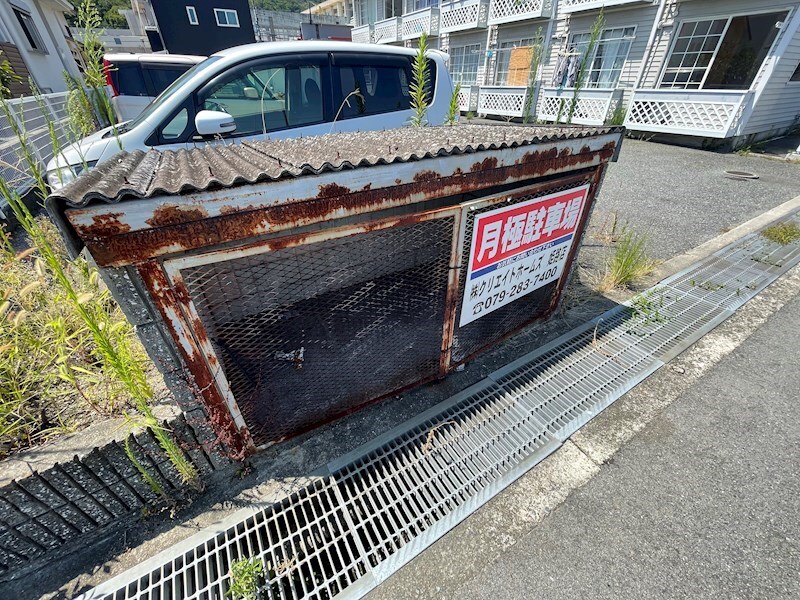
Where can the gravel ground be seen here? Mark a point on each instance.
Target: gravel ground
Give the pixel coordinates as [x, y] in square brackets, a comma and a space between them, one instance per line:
[680, 196]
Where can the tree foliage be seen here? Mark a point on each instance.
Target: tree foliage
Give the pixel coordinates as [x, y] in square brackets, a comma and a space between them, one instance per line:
[286, 5]
[108, 11]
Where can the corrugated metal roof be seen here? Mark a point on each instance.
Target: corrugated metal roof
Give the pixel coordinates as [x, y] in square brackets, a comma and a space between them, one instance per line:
[146, 174]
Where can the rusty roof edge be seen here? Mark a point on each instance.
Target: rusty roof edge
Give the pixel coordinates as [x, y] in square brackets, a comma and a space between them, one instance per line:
[98, 184]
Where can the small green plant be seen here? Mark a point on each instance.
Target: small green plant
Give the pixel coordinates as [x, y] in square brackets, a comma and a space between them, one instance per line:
[645, 309]
[247, 576]
[88, 18]
[588, 52]
[618, 115]
[7, 77]
[452, 110]
[629, 261]
[782, 233]
[420, 80]
[528, 110]
[470, 116]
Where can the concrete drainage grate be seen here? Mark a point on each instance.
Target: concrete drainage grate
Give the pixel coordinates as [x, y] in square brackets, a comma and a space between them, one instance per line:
[373, 510]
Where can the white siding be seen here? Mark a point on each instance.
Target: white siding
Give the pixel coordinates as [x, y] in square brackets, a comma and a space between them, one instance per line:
[778, 107]
[640, 16]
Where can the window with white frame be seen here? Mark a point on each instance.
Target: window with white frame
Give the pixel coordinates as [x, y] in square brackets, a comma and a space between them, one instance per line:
[464, 62]
[412, 5]
[28, 26]
[608, 57]
[192, 14]
[724, 53]
[513, 62]
[226, 17]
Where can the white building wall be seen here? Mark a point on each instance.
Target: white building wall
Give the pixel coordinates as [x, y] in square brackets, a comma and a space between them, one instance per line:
[46, 69]
[777, 105]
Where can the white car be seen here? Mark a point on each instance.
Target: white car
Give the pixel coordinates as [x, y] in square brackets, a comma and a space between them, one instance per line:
[136, 79]
[270, 91]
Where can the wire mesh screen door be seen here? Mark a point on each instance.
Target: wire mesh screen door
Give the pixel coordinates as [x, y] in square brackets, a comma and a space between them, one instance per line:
[326, 323]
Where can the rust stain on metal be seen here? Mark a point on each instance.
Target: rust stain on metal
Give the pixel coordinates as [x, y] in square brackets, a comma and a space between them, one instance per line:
[333, 201]
[423, 176]
[229, 210]
[332, 189]
[108, 223]
[174, 214]
[167, 300]
[485, 165]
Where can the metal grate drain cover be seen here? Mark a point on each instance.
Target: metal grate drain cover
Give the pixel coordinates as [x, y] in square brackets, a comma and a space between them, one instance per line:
[368, 513]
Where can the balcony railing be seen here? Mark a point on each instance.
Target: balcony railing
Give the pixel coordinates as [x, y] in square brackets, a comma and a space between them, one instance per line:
[591, 107]
[502, 101]
[504, 11]
[387, 31]
[421, 21]
[687, 112]
[468, 98]
[570, 6]
[463, 14]
[362, 35]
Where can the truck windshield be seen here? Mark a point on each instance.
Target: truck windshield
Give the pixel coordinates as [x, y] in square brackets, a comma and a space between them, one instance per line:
[169, 92]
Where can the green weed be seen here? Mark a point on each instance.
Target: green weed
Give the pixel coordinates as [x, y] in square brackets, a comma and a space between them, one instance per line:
[782, 233]
[420, 79]
[247, 576]
[452, 110]
[629, 261]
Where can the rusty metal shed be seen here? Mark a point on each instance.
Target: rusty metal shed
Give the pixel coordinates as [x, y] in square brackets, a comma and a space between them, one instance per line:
[281, 284]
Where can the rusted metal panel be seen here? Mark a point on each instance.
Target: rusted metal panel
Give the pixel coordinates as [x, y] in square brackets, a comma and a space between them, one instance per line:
[202, 366]
[302, 279]
[150, 228]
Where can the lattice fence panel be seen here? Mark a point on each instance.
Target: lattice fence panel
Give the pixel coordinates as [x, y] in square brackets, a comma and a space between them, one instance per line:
[387, 31]
[424, 21]
[501, 11]
[508, 103]
[362, 35]
[682, 115]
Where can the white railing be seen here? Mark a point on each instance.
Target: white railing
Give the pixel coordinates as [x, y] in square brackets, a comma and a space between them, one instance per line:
[463, 14]
[387, 31]
[502, 101]
[686, 112]
[421, 21]
[570, 6]
[362, 35]
[505, 11]
[30, 116]
[463, 99]
[591, 107]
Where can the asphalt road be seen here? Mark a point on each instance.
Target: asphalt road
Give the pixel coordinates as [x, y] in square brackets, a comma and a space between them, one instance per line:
[680, 196]
[703, 503]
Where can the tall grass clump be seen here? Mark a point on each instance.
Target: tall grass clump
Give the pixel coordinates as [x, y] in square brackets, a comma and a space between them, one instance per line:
[60, 332]
[52, 376]
[629, 261]
[529, 108]
[580, 79]
[420, 80]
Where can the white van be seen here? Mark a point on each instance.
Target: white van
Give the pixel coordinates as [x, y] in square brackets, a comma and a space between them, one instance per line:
[136, 79]
[271, 91]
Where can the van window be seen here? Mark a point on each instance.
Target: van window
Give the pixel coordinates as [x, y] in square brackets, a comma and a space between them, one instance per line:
[161, 76]
[375, 84]
[128, 79]
[269, 96]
